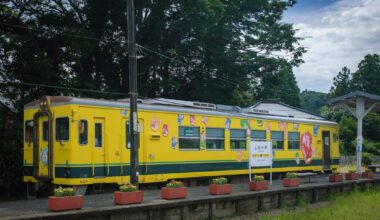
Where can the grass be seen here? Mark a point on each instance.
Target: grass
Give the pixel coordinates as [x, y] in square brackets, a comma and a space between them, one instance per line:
[356, 205]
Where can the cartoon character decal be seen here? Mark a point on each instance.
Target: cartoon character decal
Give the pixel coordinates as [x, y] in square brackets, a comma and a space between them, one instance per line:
[298, 159]
[259, 123]
[244, 123]
[284, 127]
[306, 147]
[204, 120]
[227, 124]
[155, 124]
[174, 142]
[44, 156]
[267, 127]
[165, 130]
[180, 119]
[192, 119]
[295, 127]
[239, 156]
[248, 132]
[315, 130]
[203, 140]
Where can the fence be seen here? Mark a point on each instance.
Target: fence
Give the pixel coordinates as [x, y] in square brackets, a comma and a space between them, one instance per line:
[350, 160]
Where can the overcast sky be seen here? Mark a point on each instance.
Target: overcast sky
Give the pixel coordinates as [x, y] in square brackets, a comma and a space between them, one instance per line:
[339, 33]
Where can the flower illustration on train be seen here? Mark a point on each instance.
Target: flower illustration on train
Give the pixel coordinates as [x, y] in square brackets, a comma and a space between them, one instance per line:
[192, 119]
[306, 142]
[165, 130]
[174, 142]
[204, 120]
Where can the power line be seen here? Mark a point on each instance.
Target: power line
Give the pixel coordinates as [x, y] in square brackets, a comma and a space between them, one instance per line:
[65, 88]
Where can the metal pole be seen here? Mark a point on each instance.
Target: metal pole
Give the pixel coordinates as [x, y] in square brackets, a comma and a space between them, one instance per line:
[359, 115]
[133, 122]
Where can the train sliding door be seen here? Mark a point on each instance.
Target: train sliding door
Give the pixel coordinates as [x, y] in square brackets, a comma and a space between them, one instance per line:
[99, 146]
[326, 149]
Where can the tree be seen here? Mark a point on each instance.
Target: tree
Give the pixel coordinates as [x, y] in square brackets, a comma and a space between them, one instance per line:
[367, 77]
[342, 83]
[313, 101]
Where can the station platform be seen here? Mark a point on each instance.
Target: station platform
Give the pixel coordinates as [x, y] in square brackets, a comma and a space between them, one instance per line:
[199, 204]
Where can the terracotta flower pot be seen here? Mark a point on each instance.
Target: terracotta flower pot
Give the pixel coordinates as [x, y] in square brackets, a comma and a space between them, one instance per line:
[258, 185]
[336, 178]
[220, 189]
[173, 193]
[57, 204]
[367, 174]
[125, 198]
[351, 176]
[291, 182]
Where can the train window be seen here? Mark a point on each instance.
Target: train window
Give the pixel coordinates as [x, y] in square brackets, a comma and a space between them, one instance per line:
[238, 139]
[293, 140]
[83, 132]
[189, 138]
[258, 135]
[45, 131]
[98, 135]
[62, 129]
[214, 138]
[277, 138]
[29, 131]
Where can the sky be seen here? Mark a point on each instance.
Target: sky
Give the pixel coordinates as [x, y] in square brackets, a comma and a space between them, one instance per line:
[337, 33]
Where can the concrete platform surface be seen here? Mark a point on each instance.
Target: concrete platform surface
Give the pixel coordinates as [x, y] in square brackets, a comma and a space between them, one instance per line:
[25, 209]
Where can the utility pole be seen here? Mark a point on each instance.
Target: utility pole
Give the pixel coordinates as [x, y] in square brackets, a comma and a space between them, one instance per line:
[133, 122]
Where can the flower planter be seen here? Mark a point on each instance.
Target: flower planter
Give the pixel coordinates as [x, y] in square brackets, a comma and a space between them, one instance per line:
[335, 178]
[291, 182]
[258, 185]
[173, 193]
[351, 176]
[367, 174]
[220, 189]
[125, 198]
[57, 204]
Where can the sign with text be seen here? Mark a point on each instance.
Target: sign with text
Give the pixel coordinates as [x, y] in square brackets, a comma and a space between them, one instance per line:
[260, 153]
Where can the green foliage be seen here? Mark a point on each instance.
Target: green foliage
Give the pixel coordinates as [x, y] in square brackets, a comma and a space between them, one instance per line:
[61, 192]
[174, 184]
[291, 175]
[358, 205]
[313, 101]
[257, 178]
[127, 188]
[367, 158]
[219, 180]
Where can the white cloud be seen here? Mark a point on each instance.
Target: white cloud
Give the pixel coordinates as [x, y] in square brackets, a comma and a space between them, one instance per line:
[339, 35]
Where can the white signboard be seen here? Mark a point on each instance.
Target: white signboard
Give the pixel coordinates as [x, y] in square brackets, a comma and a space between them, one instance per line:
[260, 153]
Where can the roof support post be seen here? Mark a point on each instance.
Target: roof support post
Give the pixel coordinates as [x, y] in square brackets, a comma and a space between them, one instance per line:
[360, 110]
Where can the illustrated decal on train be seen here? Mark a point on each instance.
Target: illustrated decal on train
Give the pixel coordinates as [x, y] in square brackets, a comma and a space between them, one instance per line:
[155, 123]
[227, 124]
[44, 156]
[180, 118]
[284, 127]
[267, 127]
[295, 127]
[259, 123]
[245, 124]
[298, 159]
[306, 142]
[165, 130]
[174, 142]
[315, 130]
[239, 156]
[192, 119]
[204, 120]
[203, 140]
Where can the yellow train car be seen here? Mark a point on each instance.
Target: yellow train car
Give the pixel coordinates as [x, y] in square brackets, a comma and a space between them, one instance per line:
[79, 141]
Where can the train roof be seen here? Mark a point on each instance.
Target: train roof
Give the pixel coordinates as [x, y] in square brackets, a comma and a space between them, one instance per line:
[180, 106]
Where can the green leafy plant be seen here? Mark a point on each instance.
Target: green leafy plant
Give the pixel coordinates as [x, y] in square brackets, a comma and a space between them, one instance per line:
[291, 175]
[257, 178]
[335, 172]
[174, 184]
[219, 180]
[61, 192]
[127, 188]
[352, 171]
